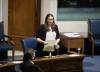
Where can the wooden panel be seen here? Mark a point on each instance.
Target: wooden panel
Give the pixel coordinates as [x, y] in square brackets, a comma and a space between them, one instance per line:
[72, 42]
[61, 63]
[75, 43]
[23, 19]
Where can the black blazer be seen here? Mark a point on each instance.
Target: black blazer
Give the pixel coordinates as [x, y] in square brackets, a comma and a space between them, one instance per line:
[41, 33]
[28, 67]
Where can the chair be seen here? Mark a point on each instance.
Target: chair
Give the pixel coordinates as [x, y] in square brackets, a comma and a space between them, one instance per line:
[94, 33]
[29, 43]
[6, 42]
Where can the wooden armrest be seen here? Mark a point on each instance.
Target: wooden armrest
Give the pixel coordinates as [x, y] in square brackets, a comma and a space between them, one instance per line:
[91, 39]
[12, 42]
[7, 36]
[90, 34]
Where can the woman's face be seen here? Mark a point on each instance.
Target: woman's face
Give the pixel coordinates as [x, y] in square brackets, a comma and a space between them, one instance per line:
[50, 20]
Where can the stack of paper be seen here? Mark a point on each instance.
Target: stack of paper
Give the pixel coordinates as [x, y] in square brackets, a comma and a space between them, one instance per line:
[72, 34]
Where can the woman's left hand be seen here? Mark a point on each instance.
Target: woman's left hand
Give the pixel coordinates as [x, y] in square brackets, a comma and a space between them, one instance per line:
[56, 46]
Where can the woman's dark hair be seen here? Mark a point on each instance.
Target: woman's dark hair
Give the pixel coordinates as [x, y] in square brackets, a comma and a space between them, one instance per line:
[46, 23]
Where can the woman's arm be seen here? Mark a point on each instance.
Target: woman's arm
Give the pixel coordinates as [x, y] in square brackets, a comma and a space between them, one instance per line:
[58, 35]
[41, 34]
[57, 32]
[57, 41]
[40, 41]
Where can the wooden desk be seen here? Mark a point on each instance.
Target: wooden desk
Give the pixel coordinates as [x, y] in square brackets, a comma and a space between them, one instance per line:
[72, 42]
[60, 63]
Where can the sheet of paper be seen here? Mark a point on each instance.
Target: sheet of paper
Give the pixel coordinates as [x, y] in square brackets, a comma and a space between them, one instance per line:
[50, 45]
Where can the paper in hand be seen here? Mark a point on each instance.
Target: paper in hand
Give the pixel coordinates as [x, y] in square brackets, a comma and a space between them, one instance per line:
[49, 46]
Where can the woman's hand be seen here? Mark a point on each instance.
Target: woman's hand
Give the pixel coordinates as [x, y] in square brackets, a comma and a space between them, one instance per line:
[41, 41]
[45, 43]
[57, 41]
[56, 46]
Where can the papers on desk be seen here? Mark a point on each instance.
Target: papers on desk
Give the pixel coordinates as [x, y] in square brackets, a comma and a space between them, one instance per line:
[72, 34]
[73, 55]
[16, 62]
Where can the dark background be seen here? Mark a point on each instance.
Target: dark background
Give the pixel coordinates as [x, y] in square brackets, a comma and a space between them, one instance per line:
[79, 3]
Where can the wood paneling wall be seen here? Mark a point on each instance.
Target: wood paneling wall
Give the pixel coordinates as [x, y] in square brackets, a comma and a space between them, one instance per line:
[23, 19]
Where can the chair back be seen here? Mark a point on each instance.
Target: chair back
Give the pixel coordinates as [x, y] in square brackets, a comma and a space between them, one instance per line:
[30, 42]
[94, 25]
[5, 45]
[1, 30]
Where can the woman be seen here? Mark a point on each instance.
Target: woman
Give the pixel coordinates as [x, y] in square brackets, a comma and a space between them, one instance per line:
[48, 31]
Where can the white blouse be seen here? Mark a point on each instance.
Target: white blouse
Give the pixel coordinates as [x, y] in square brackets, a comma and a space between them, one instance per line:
[50, 35]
